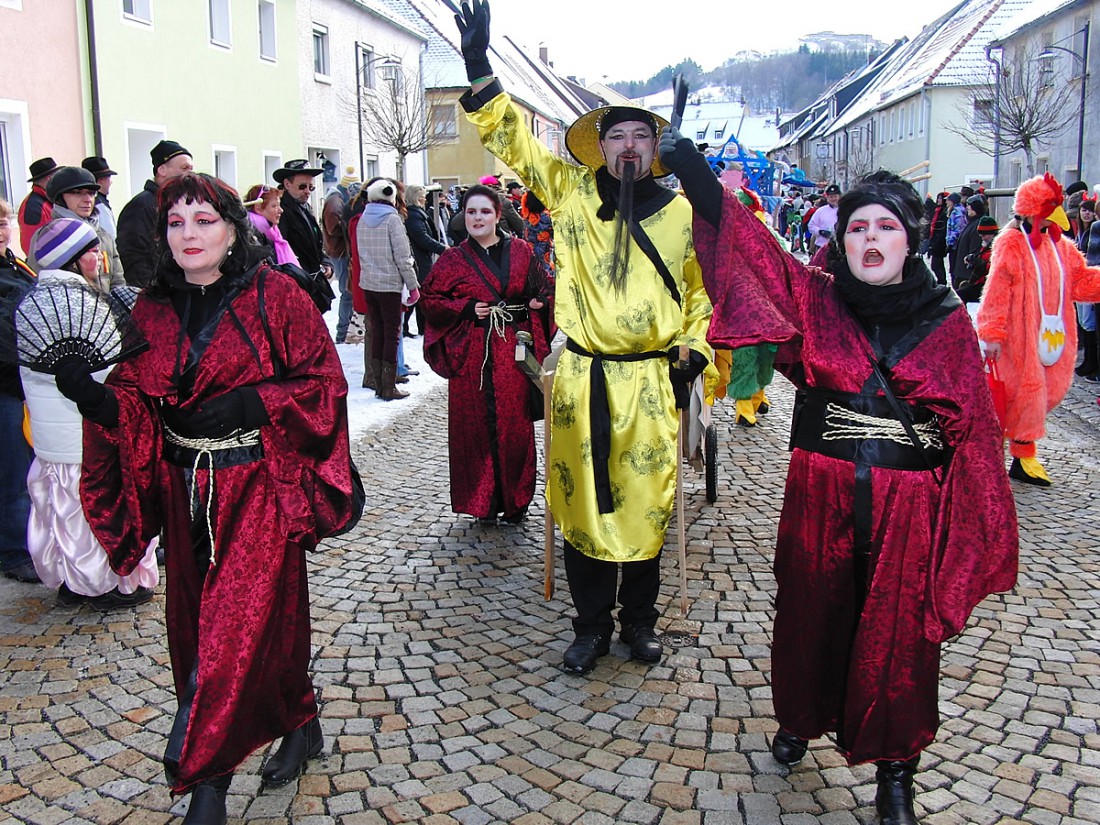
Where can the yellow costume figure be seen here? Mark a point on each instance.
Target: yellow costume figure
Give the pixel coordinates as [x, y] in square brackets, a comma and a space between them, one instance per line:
[644, 318]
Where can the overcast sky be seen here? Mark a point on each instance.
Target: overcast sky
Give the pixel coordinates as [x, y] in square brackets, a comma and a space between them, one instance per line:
[633, 39]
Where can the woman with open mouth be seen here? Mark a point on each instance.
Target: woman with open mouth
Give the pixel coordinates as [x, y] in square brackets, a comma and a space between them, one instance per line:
[898, 517]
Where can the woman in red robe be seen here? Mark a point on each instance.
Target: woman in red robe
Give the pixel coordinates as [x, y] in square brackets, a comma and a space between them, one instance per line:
[229, 438]
[897, 517]
[477, 296]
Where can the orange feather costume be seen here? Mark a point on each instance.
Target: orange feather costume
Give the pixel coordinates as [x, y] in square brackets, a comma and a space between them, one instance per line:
[1010, 309]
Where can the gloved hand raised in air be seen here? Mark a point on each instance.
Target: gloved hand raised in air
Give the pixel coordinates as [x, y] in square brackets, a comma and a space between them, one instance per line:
[674, 149]
[473, 23]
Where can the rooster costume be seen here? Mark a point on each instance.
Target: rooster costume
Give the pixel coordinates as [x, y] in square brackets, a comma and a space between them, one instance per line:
[1034, 272]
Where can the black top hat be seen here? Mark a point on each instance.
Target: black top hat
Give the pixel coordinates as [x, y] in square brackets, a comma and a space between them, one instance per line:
[295, 167]
[165, 151]
[98, 167]
[69, 179]
[40, 168]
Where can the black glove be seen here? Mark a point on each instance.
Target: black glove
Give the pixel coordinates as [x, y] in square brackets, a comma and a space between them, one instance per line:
[74, 380]
[674, 149]
[473, 23]
[239, 409]
[683, 376]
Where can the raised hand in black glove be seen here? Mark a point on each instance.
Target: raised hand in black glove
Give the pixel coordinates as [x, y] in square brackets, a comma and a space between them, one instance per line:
[674, 149]
[683, 374]
[473, 23]
[73, 377]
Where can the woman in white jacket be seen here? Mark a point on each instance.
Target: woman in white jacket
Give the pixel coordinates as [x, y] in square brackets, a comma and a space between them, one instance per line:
[66, 554]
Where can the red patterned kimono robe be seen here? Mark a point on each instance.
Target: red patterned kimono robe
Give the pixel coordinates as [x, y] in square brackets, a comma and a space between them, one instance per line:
[245, 620]
[491, 434]
[937, 549]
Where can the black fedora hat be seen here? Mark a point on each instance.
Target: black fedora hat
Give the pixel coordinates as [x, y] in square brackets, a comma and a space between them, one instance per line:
[295, 167]
[98, 166]
[40, 168]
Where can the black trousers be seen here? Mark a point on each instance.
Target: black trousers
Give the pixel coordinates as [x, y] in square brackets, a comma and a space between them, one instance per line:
[592, 584]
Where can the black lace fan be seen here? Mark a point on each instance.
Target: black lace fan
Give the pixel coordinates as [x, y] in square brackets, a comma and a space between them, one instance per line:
[55, 321]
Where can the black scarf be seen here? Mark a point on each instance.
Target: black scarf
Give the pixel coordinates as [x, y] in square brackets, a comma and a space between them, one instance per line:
[893, 303]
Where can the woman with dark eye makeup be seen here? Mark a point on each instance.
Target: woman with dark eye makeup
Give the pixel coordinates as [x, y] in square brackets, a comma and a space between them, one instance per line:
[228, 437]
[897, 518]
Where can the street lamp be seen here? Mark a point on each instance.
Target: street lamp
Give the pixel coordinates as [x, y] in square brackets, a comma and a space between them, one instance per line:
[1047, 54]
[389, 67]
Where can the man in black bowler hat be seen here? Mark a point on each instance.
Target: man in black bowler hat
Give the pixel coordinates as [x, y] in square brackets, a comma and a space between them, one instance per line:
[36, 209]
[104, 176]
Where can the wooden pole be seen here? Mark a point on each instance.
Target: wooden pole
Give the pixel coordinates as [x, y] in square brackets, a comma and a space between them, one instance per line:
[681, 533]
[548, 546]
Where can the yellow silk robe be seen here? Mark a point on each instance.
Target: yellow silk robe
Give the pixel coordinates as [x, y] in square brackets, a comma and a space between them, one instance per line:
[642, 318]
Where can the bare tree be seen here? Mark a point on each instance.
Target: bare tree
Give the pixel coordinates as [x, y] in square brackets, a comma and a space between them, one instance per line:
[1029, 108]
[398, 114]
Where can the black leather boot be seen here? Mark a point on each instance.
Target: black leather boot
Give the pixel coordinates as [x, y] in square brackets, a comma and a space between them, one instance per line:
[643, 642]
[208, 802]
[581, 656]
[289, 761]
[788, 749]
[894, 799]
[1089, 363]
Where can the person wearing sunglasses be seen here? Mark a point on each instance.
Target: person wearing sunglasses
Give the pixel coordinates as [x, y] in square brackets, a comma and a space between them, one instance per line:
[298, 223]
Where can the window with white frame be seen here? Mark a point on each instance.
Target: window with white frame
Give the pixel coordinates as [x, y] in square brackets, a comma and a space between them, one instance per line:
[139, 10]
[1046, 61]
[266, 11]
[272, 161]
[371, 170]
[983, 112]
[225, 164]
[320, 51]
[444, 121]
[14, 5]
[5, 167]
[220, 32]
[366, 67]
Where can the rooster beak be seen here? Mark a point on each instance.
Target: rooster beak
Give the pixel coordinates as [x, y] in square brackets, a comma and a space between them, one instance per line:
[1058, 216]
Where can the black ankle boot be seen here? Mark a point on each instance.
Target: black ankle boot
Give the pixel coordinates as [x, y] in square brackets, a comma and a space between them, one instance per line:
[788, 749]
[208, 802]
[894, 799]
[290, 760]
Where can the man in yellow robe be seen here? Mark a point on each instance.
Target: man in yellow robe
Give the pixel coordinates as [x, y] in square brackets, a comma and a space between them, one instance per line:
[625, 310]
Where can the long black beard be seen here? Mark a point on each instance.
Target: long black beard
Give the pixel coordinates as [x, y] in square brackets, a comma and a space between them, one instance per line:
[620, 234]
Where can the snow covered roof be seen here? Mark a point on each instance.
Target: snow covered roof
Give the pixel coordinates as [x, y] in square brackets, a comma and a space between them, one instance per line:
[716, 121]
[1031, 14]
[948, 52]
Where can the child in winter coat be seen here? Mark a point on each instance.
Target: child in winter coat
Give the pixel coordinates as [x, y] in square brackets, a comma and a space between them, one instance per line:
[65, 553]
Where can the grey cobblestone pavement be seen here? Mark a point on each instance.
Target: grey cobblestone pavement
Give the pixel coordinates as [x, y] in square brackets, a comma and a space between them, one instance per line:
[437, 665]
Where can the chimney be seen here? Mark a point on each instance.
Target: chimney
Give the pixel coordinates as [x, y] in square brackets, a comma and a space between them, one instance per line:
[544, 55]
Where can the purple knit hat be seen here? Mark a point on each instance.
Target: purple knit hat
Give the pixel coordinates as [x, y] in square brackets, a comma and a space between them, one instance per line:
[61, 242]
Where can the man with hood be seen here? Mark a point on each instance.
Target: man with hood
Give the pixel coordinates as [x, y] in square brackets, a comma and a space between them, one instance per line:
[969, 242]
[631, 302]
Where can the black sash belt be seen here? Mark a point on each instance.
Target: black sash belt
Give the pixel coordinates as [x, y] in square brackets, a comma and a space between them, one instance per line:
[829, 423]
[599, 414]
[518, 315]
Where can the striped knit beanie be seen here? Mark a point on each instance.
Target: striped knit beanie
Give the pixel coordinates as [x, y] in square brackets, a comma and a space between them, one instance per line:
[61, 242]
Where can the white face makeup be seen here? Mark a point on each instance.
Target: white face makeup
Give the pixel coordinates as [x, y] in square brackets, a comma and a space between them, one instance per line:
[631, 140]
[481, 220]
[876, 245]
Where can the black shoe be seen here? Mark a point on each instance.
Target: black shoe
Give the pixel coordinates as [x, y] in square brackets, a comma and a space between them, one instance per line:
[160, 554]
[788, 749]
[68, 598]
[115, 598]
[22, 571]
[289, 761]
[894, 798]
[582, 654]
[643, 642]
[1016, 471]
[208, 802]
[515, 518]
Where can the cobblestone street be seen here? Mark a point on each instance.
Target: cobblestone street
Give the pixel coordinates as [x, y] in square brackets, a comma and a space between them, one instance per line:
[437, 663]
